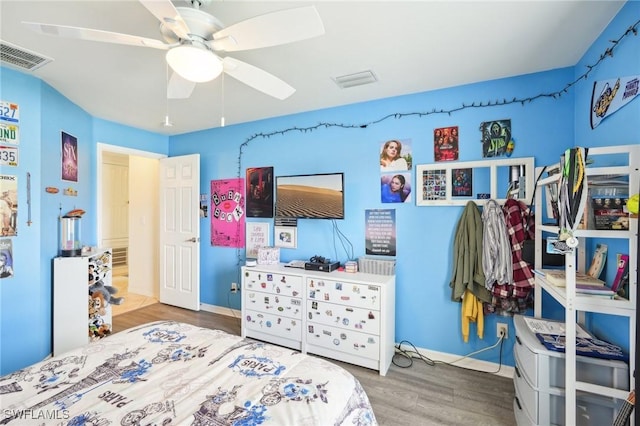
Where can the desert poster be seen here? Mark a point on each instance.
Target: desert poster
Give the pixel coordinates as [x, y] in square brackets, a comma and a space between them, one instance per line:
[312, 196]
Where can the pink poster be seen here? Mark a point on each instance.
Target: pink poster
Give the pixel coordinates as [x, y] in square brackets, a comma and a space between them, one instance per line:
[227, 213]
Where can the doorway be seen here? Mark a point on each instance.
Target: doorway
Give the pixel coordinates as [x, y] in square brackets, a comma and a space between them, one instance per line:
[127, 221]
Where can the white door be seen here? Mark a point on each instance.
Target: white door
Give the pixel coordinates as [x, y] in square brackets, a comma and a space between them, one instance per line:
[180, 231]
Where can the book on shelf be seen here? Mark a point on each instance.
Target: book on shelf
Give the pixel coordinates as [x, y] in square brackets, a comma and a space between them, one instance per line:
[585, 284]
[558, 278]
[621, 273]
[595, 291]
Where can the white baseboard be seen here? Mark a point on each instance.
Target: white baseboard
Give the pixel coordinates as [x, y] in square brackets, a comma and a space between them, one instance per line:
[471, 363]
[222, 310]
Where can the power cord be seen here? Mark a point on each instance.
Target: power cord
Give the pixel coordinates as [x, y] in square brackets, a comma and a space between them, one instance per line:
[343, 240]
[410, 355]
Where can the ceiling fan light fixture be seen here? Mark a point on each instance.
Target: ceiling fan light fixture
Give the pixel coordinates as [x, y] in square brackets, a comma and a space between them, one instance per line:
[194, 63]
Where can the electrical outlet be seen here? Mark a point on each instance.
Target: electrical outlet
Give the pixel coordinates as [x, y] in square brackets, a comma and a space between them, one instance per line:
[234, 287]
[502, 330]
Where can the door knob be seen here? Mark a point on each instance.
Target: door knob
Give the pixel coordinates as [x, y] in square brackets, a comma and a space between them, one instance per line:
[192, 240]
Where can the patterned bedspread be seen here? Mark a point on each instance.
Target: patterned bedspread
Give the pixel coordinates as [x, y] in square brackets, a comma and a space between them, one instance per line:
[173, 373]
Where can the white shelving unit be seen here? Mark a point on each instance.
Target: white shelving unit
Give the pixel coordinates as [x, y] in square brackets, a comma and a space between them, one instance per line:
[490, 177]
[72, 318]
[576, 305]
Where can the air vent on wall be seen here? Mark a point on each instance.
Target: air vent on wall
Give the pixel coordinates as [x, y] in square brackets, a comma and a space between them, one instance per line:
[21, 58]
[357, 79]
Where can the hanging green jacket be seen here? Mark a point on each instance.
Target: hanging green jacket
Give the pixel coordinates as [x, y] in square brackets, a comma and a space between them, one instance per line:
[467, 256]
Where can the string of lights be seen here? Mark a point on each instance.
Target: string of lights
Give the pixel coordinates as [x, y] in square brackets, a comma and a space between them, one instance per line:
[608, 53]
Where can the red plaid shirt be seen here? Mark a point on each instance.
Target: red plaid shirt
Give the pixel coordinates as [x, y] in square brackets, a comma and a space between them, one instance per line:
[516, 215]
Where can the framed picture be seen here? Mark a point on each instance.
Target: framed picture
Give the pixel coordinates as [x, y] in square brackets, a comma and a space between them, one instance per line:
[434, 184]
[456, 183]
[257, 236]
[462, 182]
[285, 236]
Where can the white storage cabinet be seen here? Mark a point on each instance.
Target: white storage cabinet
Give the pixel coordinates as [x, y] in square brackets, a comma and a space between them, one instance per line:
[345, 316]
[576, 305]
[539, 381]
[72, 277]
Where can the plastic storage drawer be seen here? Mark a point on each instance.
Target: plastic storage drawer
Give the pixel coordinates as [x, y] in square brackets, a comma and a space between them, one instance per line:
[545, 369]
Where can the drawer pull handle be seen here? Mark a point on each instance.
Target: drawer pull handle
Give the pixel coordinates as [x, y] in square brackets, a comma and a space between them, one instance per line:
[518, 340]
[518, 372]
[518, 402]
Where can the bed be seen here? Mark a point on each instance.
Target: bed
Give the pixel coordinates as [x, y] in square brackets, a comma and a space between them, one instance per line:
[167, 372]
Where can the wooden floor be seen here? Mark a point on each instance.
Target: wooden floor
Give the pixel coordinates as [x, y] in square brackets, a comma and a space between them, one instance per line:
[419, 395]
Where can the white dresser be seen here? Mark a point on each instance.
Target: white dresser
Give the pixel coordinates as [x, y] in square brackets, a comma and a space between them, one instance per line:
[344, 316]
[272, 305]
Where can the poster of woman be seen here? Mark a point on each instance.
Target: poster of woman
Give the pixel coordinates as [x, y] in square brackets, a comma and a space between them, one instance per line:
[6, 259]
[395, 188]
[395, 155]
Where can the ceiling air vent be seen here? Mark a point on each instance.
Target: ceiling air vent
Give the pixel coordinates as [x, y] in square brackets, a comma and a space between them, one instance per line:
[21, 58]
[357, 79]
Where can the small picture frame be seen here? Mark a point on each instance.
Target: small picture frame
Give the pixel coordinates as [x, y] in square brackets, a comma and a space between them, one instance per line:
[285, 236]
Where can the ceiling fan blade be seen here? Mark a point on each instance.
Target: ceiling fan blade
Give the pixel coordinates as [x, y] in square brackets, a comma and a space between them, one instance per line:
[167, 13]
[179, 88]
[257, 78]
[95, 35]
[271, 29]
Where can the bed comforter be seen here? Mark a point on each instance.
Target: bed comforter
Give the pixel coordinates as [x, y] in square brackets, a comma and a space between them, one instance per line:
[173, 373]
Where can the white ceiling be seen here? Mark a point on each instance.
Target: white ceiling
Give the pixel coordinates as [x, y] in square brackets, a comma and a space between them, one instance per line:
[411, 46]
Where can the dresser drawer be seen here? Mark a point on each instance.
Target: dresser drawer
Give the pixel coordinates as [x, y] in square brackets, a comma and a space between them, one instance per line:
[348, 341]
[275, 304]
[346, 317]
[271, 323]
[277, 283]
[344, 293]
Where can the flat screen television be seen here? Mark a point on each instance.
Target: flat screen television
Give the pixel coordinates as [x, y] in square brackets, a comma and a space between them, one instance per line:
[318, 196]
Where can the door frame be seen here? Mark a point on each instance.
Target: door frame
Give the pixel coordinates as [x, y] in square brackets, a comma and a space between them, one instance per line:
[101, 148]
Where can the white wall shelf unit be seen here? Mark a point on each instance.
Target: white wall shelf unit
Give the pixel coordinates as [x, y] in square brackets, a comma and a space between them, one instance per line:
[74, 323]
[435, 182]
[576, 305]
[345, 316]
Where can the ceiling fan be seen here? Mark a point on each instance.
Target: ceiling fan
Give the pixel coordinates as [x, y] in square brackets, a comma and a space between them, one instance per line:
[193, 38]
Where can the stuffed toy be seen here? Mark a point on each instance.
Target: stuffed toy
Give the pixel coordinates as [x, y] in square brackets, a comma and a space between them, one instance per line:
[97, 305]
[107, 291]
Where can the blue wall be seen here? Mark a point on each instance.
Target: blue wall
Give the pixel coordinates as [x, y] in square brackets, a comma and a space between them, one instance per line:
[425, 315]
[424, 234]
[25, 299]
